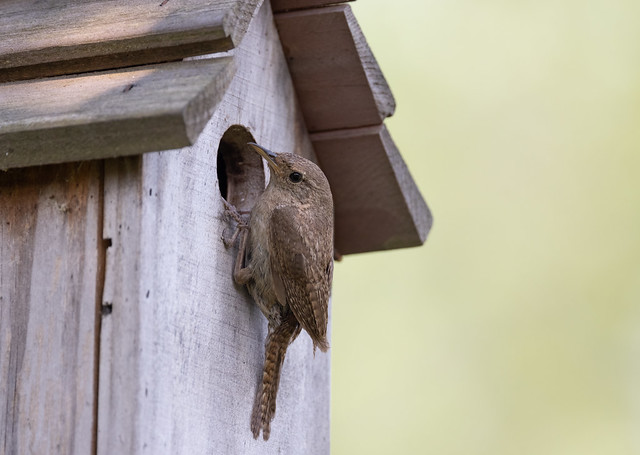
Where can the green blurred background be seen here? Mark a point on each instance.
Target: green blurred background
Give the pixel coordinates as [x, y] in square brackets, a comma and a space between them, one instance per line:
[516, 328]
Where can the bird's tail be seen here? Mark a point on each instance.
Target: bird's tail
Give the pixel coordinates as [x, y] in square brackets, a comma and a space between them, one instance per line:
[264, 408]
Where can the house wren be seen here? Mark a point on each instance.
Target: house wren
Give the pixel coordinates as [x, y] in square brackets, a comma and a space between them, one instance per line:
[285, 260]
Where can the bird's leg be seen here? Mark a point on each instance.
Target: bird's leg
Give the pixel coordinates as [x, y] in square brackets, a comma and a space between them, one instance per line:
[241, 224]
[241, 274]
[264, 407]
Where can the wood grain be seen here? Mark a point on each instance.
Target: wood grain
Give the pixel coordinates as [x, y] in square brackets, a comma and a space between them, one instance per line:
[120, 356]
[112, 113]
[336, 76]
[182, 349]
[377, 203]
[290, 5]
[63, 37]
[49, 235]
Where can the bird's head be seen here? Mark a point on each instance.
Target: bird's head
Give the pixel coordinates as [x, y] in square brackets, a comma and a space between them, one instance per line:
[294, 174]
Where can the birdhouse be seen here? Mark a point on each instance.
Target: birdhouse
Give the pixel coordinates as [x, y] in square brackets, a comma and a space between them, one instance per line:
[123, 125]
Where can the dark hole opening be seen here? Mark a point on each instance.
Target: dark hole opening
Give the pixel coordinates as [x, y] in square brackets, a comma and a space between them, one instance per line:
[221, 169]
[106, 309]
[239, 168]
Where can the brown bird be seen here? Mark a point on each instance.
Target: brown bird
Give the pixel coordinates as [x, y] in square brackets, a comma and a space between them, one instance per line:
[286, 262]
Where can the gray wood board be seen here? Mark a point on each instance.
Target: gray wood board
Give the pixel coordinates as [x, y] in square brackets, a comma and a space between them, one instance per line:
[377, 203]
[290, 5]
[183, 348]
[52, 38]
[336, 76]
[111, 113]
[49, 243]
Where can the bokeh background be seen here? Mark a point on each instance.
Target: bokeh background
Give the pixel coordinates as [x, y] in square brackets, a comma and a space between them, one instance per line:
[516, 328]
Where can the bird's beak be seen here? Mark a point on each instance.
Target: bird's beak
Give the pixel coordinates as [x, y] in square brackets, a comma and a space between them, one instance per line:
[266, 154]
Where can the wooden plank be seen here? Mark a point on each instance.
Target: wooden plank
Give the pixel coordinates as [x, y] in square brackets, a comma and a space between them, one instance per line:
[377, 203]
[183, 347]
[113, 113]
[336, 76]
[49, 269]
[121, 325]
[64, 37]
[290, 5]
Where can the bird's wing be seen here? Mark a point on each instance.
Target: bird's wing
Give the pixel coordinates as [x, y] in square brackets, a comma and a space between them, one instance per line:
[301, 268]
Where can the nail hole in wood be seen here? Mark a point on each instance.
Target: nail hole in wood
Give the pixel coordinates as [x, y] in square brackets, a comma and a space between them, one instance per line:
[240, 170]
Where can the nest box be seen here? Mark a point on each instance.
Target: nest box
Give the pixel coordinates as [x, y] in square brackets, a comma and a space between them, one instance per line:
[122, 127]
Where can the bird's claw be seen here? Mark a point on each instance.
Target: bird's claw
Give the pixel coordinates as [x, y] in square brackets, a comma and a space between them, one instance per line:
[241, 224]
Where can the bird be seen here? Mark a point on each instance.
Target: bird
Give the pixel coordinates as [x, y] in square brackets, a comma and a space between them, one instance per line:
[285, 260]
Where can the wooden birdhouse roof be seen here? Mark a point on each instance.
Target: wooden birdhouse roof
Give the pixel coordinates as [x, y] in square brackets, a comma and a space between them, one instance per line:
[93, 80]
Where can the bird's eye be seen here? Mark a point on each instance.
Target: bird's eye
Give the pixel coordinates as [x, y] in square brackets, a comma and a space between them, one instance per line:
[295, 177]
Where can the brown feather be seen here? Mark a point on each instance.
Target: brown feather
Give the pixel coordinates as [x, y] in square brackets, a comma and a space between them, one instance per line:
[288, 252]
[306, 285]
[264, 408]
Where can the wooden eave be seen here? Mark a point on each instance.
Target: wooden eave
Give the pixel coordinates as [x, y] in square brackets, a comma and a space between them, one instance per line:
[91, 80]
[67, 37]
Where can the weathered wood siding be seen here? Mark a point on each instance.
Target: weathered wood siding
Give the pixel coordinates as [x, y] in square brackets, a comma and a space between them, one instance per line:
[126, 277]
[49, 264]
[42, 39]
[109, 113]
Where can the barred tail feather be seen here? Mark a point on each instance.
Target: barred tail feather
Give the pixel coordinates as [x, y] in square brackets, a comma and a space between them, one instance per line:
[264, 407]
